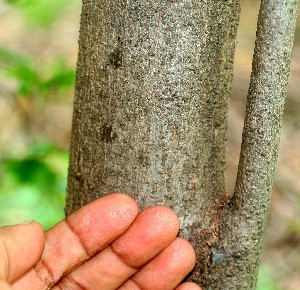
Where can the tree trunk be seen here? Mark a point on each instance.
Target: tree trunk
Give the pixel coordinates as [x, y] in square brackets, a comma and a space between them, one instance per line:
[236, 256]
[150, 120]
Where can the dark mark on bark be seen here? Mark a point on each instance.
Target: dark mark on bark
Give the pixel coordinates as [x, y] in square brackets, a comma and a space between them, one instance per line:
[107, 134]
[116, 57]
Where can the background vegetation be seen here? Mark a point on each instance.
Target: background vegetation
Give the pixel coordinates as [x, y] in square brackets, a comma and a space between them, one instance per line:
[37, 76]
[38, 50]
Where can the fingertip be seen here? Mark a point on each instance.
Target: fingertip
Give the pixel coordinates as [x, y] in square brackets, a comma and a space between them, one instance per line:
[32, 231]
[24, 240]
[36, 227]
[186, 252]
[121, 201]
[152, 231]
[164, 219]
[168, 268]
[119, 196]
[126, 201]
[123, 197]
[188, 286]
[102, 221]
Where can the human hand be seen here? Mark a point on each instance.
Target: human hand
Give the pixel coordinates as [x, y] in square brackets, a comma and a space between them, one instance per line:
[105, 245]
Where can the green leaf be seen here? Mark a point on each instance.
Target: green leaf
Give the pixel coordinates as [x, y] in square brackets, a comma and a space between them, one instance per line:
[61, 76]
[31, 79]
[33, 186]
[21, 69]
[42, 13]
[31, 171]
[265, 280]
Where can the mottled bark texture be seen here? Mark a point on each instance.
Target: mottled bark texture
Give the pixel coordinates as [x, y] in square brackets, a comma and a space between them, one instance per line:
[150, 120]
[153, 81]
[235, 260]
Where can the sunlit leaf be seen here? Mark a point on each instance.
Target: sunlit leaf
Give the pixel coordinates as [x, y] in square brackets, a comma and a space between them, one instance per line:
[41, 13]
[265, 280]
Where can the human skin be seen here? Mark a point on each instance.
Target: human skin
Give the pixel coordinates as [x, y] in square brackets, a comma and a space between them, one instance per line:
[105, 245]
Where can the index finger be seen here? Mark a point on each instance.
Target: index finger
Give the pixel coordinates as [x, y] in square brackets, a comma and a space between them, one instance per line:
[79, 237]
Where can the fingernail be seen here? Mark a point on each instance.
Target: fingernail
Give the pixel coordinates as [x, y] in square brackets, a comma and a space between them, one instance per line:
[26, 223]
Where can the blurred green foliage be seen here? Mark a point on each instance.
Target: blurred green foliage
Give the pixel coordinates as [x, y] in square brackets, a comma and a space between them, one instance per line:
[265, 280]
[34, 80]
[33, 180]
[41, 13]
[33, 185]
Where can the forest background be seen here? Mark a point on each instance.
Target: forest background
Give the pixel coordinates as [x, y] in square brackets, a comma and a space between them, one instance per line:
[38, 52]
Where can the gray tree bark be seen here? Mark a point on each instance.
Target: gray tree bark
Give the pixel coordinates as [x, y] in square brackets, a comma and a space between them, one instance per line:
[150, 120]
[235, 258]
